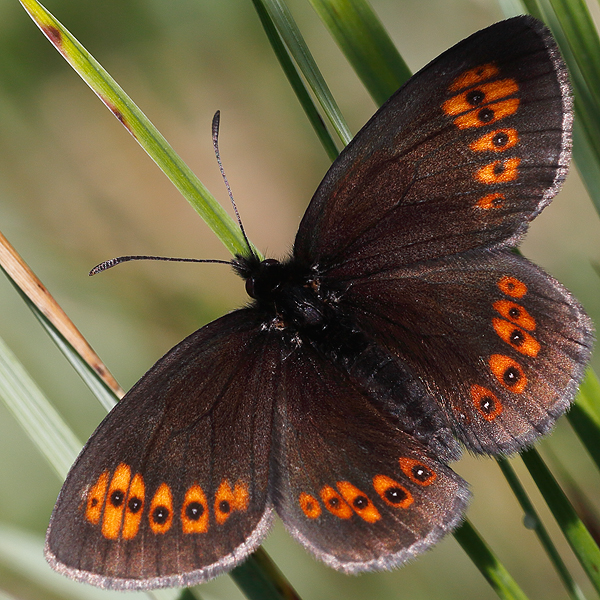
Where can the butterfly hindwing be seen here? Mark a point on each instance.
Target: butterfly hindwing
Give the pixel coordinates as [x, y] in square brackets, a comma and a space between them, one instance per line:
[463, 156]
[172, 488]
[501, 344]
[355, 490]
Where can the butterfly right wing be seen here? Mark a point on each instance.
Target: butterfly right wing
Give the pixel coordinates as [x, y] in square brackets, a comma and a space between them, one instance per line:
[173, 487]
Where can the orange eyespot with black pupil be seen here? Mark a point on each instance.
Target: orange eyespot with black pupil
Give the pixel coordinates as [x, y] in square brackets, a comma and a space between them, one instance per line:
[310, 505]
[486, 402]
[518, 338]
[499, 171]
[194, 512]
[134, 507]
[115, 502]
[508, 372]
[511, 286]
[487, 115]
[515, 314]
[161, 510]
[359, 502]
[496, 141]
[334, 503]
[492, 95]
[228, 500]
[391, 492]
[417, 471]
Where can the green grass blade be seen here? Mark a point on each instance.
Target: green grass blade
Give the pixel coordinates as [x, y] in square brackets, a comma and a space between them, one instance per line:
[97, 386]
[579, 538]
[536, 524]
[586, 158]
[34, 413]
[579, 29]
[584, 416]
[259, 578]
[296, 81]
[565, 18]
[366, 44]
[487, 563]
[586, 148]
[60, 328]
[290, 34]
[22, 554]
[149, 138]
[187, 594]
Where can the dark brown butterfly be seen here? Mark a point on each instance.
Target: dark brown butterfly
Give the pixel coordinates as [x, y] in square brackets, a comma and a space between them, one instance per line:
[401, 325]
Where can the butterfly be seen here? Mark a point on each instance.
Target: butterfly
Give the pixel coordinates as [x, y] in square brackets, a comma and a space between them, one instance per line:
[401, 328]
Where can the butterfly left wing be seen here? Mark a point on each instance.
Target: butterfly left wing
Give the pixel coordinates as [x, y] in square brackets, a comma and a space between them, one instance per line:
[355, 490]
[501, 345]
[172, 488]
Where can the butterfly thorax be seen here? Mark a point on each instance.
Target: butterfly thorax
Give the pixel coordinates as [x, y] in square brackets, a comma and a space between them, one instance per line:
[290, 295]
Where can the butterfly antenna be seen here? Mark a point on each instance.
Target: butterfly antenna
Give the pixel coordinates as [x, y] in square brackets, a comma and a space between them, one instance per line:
[113, 262]
[215, 137]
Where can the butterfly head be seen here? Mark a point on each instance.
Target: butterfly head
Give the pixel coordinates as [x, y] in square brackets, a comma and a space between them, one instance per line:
[263, 278]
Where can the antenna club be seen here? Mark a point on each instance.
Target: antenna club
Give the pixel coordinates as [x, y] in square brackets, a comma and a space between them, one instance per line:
[107, 264]
[215, 125]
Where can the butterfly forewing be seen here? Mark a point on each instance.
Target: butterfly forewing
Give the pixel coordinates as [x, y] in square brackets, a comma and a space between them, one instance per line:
[172, 488]
[462, 156]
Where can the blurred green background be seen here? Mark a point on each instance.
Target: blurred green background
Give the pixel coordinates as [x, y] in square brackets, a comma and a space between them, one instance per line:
[75, 189]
